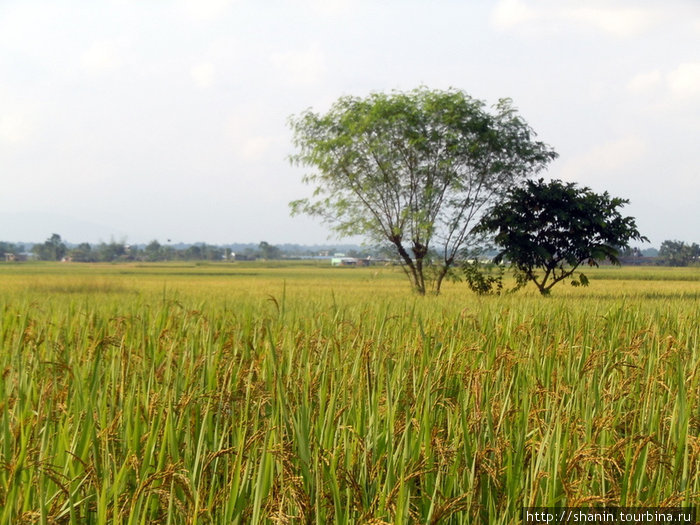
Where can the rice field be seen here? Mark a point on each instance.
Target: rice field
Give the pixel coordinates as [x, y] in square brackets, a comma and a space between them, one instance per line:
[231, 393]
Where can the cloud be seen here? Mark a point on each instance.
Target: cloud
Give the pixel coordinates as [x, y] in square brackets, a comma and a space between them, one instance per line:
[512, 13]
[617, 154]
[15, 127]
[299, 68]
[677, 86]
[253, 148]
[684, 81]
[203, 74]
[619, 22]
[205, 9]
[645, 82]
[243, 132]
[554, 16]
[333, 7]
[606, 159]
[104, 56]
[18, 119]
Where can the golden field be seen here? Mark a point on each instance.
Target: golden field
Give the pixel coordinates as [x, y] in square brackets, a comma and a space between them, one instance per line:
[293, 393]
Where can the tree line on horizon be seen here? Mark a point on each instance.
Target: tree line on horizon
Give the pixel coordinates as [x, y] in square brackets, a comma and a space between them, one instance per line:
[54, 248]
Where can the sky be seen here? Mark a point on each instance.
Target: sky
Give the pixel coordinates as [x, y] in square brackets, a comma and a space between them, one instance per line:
[135, 120]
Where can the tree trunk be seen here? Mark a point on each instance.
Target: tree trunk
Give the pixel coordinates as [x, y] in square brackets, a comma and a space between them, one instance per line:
[442, 274]
[416, 269]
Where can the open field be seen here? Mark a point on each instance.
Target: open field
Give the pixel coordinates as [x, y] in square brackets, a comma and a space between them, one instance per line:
[292, 393]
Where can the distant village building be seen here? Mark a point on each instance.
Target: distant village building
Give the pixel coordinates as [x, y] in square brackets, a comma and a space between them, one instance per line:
[18, 257]
[339, 259]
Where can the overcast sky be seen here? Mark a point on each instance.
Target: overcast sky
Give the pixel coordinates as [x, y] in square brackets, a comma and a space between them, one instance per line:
[151, 119]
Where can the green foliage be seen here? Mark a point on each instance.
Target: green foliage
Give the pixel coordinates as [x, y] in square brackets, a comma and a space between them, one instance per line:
[154, 251]
[678, 253]
[7, 248]
[487, 279]
[413, 170]
[53, 249]
[83, 253]
[483, 279]
[547, 230]
[581, 280]
[268, 251]
[112, 251]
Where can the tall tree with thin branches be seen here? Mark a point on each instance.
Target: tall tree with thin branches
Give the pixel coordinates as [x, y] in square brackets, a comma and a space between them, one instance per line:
[415, 170]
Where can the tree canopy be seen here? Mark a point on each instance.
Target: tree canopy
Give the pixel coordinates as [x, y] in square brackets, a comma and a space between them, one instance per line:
[678, 253]
[548, 229]
[414, 170]
[53, 249]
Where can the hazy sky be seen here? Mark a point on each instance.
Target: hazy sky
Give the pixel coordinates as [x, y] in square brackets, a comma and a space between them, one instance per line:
[152, 119]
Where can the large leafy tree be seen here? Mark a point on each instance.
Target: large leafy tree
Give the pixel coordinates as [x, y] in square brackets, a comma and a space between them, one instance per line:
[678, 253]
[268, 251]
[53, 249]
[413, 170]
[548, 229]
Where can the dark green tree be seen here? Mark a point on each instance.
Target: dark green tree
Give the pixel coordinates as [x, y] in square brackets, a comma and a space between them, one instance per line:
[112, 251]
[83, 253]
[7, 248]
[194, 252]
[154, 251]
[268, 251]
[53, 249]
[203, 252]
[678, 253]
[548, 229]
[413, 171]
